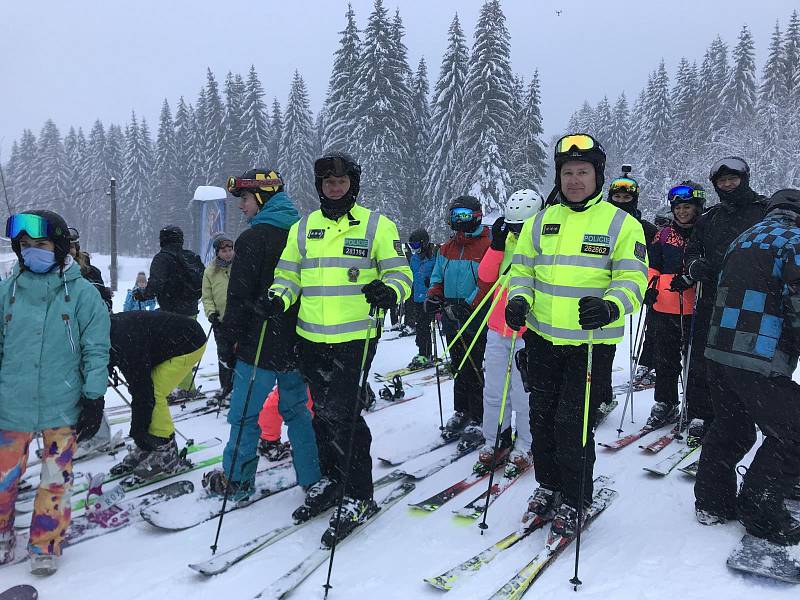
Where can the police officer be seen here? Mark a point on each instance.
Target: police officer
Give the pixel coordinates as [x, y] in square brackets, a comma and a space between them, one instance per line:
[338, 262]
[579, 267]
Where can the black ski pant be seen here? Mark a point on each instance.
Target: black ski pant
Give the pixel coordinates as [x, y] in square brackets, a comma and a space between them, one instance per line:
[468, 385]
[699, 404]
[333, 373]
[557, 380]
[742, 400]
[667, 329]
[650, 344]
[224, 352]
[422, 325]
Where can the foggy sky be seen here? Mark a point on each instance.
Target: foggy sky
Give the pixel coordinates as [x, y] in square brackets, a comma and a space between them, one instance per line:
[81, 60]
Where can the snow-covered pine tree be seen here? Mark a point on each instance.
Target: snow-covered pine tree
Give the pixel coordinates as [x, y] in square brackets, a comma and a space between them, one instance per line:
[741, 91]
[713, 80]
[791, 59]
[211, 118]
[274, 136]
[418, 160]
[684, 141]
[200, 142]
[340, 104]
[620, 139]
[530, 168]
[185, 136]
[297, 147]
[491, 184]
[51, 166]
[10, 170]
[169, 196]
[26, 172]
[136, 218]
[658, 112]
[233, 159]
[77, 151]
[97, 206]
[447, 109]
[603, 122]
[255, 122]
[488, 101]
[383, 115]
[773, 85]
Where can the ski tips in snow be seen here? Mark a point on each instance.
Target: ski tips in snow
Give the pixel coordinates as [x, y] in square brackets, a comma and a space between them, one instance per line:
[20, 592]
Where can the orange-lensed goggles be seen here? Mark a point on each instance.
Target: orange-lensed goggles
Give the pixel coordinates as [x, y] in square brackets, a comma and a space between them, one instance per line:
[580, 141]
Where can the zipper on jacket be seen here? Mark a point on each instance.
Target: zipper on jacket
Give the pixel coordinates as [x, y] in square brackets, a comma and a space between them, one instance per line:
[65, 318]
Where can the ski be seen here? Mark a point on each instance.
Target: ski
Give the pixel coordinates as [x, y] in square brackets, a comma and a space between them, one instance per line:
[437, 500]
[475, 509]
[378, 406]
[516, 587]
[605, 409]
[399, 459]
[284, 585]
[440, 464]
[758, 556]
[220, 563]
[628, 439]
[452, 577]
[665, 467]
[690, 469]
[20, 592]
[184, 513]
[389, 375]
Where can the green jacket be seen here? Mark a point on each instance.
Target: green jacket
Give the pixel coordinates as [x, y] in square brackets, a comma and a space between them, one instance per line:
[54, 345]
[215, 289]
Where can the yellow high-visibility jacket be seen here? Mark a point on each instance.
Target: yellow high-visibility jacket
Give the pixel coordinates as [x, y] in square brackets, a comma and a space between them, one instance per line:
[325, 264]
[563, 255]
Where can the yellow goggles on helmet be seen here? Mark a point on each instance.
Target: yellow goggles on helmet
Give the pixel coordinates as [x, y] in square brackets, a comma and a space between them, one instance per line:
[623, 185]
[581, 141]
[265, 183]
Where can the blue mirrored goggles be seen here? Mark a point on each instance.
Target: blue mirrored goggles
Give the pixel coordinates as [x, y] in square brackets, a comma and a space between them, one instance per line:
[463, 215]
[686, 192]
[34, 225]
[415, 246]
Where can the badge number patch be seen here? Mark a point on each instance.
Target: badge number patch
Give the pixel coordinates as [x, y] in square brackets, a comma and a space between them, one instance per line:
[551, 228]
[640, 251]
[595, 249]
[316, 234]
[355, 247]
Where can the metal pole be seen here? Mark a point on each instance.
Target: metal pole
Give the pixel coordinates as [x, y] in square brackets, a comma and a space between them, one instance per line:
[113, 269]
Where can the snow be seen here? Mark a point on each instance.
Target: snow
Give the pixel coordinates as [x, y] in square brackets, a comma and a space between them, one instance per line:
[209, 192]
[646, 546]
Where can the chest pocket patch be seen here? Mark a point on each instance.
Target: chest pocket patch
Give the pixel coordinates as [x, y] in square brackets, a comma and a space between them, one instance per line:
[316, 234]
[551, 228]
[355, 247]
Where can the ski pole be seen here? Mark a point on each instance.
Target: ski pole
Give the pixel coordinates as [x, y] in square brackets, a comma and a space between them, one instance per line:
[438, 380]
[373, 312]
[476, 311]
[637, 342]
[445, 353]
[485, 320]
[483, 524]
[575, 581]
[189, 441]
[687, 359]
[250, 385]
[197, 366]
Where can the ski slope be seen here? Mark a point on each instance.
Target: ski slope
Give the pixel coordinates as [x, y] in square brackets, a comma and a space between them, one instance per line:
[646, 546]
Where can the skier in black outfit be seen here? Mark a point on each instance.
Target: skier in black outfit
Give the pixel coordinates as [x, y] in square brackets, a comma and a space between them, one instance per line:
[739, 208]
[153, 350]
[88, 270]
[752, 353]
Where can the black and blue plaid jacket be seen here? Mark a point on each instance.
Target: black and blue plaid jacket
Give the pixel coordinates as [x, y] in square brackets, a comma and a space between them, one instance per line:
[756, 321]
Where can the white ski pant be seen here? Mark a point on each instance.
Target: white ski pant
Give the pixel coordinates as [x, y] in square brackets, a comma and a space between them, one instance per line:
[495, 364]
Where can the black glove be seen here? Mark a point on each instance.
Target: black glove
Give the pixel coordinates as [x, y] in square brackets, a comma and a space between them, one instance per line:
[650, 296]
[499, 234]
[680, 283]
[379, 294]
[700, 270]
[268, 306]
[516, 311]
[432, 305]
[214, 319]
[90, 417]
[138, 295]
[594, 313]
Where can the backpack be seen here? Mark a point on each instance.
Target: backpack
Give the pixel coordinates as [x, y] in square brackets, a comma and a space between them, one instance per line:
[190, 270]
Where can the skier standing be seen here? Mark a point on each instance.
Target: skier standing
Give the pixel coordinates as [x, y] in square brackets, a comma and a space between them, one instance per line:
[666, 319]
[579, 267]
[739, 208]
[53, 375]
[270, 213]
[496, 263]
[154, 350]
[752, 353]
[215, 296]
[339, 261]
[423, 257]
[454, 285]
[131, 304]
[88, 270]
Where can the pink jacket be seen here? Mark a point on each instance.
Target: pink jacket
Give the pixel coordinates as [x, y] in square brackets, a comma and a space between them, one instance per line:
[488, 273]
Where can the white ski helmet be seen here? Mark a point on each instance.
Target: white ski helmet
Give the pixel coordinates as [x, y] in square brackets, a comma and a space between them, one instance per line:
[522, 205]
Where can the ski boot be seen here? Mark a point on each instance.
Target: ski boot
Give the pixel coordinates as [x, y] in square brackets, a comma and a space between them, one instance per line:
[519, 461]
[216, 483]
[471, 437]
[353, 513]
[764, 515]
[662, 414]
[455, 425]
[794, 492]
[541, 504]
[395, 392]
[320, 496]
[488, 457]
[644, 377]
[274, 450]
[705, 517]
[8, 541]
[129, 463]
[565, 521]
[43, 564]
[420, 362]
[165, 459]
[695, 433]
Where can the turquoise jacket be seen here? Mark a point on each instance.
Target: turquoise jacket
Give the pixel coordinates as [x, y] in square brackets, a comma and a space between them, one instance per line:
[54, 344]
[278, 212]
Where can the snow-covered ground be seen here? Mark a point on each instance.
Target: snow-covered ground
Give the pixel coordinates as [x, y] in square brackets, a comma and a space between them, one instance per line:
[646, 546]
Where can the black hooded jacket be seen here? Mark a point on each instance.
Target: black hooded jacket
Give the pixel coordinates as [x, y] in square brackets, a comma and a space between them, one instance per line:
[166, 285]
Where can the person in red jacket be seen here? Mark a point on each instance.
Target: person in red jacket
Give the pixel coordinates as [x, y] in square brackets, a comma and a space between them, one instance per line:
[671, 311]
[270, 422]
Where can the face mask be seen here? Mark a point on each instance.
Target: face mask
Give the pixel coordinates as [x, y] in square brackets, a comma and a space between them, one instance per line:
[38, 260]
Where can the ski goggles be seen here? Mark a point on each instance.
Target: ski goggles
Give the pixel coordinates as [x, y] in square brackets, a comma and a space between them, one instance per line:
[463, 215]
[731, 163]
[580, 141]
[623, 185]
[236, 184]
[34, 225]
[330, 166]
[415, 247]
[686, 192]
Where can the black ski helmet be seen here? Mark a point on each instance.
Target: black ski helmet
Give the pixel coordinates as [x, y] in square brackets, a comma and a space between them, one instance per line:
[569, 147]
[730, 165]
[471, 203]
[59, 236]
[787, 198]
[338, 164]
[170, 234]
[272, 185]
[420, 236]
[696, 195]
